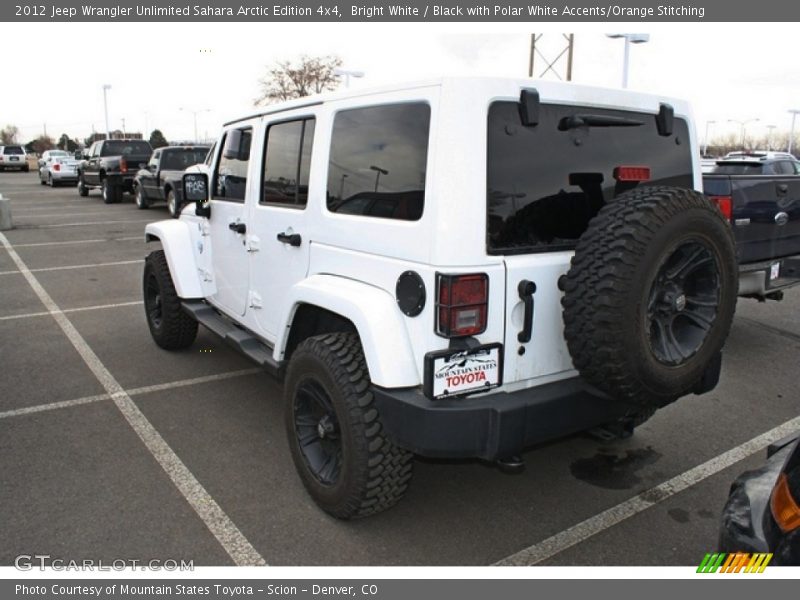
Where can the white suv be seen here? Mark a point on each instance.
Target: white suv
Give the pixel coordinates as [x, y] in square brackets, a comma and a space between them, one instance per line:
[455, 268]
[13, 156]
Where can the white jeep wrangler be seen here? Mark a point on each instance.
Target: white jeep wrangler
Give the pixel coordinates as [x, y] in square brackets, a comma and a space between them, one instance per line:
[456, 268]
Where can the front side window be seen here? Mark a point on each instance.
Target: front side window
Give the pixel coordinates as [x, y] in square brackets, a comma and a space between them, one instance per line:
[153, 164]
[230, 178]
[378, 161]
[287, 163]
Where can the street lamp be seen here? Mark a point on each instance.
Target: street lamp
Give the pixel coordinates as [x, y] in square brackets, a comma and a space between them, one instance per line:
[378, 173]
[630, 38]
[106, 87]
[743, 124]
[794, 112]
[195, 113]
[705, 141]
[347, 74]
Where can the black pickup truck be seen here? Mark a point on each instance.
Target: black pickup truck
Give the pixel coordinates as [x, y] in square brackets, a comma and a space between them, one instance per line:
[111, 165]
[761, 197]
[160, 180]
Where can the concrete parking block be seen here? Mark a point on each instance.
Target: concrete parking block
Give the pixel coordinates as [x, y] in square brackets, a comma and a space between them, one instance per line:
[121, 339]
[79, 484]
[38, 365]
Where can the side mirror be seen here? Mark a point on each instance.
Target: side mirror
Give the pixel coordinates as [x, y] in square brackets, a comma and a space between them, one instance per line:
[233, 145]
[195, 189]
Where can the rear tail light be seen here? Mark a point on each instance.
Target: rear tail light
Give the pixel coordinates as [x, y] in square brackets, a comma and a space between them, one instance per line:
[56, 167]
[632, 173]
[123, 165]
[462, 303]
[724, 204]
[784, 506]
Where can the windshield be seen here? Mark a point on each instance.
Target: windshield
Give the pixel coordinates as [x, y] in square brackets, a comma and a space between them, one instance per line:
[126, 148]
[739, 169]
[178, 160]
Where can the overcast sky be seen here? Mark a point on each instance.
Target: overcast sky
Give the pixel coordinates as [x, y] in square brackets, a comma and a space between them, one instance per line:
[728, 71]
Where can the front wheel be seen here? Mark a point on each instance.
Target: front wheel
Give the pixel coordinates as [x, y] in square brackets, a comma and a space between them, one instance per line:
[170, 326]
[142, 202]
[344, 459]
[82, 189]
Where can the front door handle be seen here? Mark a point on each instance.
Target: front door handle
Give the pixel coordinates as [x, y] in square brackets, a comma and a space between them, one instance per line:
[526, 289]
[293, 239]
[238, 227]
[783, 189]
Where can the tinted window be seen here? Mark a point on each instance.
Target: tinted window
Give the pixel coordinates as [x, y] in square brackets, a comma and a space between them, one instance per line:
[13, 150]
[784, 167]
[178, 160]
[126, 148]
[739, 169]
[378, 161]
[546, 182]
[288, 162]
[230, 178]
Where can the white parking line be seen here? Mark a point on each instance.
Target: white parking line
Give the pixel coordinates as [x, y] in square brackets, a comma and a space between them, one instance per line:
[148, 389]
[227, 533]
[69, 310]
[88, 223]
[70, 267]
[633, 506]
[98, 241]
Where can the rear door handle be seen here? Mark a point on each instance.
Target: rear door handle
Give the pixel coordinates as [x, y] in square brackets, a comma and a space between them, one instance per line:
[526, 289]
[293, 239]
[238, 227]
[783, 189]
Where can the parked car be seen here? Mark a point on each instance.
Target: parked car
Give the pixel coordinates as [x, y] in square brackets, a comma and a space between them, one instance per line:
[767, 154]
[458, 268]
[57, 167]
[761, 200]
[111, 165]
[762, 513]
[160, 180]
[13, 157]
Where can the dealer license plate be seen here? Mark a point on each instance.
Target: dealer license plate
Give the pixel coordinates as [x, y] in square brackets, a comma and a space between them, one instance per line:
[457, 372]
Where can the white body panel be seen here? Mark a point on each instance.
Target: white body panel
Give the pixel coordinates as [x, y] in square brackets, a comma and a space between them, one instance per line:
[350, 264]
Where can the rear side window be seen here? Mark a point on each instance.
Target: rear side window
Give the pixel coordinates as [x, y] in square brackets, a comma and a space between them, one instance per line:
[378, 161]
[230, 178]
[287, 163]
[13, 150]
[545, 183]
[178, 160]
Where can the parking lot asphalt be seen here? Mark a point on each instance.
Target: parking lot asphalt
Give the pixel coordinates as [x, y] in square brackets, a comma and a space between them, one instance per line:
[85, 475]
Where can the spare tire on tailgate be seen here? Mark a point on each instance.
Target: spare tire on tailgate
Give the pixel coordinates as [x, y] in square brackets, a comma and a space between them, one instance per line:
[650, 294]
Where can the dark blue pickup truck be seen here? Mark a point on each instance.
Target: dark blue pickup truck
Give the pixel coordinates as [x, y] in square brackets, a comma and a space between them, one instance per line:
[761, 197]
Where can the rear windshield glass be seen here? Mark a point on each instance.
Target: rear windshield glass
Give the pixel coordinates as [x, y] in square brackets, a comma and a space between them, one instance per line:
[178, 160]
[13, 150]
[126, 148]
[545, 183]
[739, 169]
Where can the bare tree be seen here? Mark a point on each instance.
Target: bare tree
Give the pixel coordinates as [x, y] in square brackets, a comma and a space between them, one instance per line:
[8, 135]
[310, 75]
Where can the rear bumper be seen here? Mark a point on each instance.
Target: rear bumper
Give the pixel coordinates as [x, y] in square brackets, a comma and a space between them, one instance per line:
[493, 426]
[64, 175]
[755, 278]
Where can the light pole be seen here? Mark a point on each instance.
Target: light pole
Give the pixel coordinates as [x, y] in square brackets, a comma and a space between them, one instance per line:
[106, 87]
[705, 140]
[743, 125]
[347, 74]
[769, 136]
[794, 112]
[195, 113]
[378, 173]
[630, 38]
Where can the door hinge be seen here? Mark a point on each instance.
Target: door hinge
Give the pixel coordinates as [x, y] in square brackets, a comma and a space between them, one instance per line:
[253, 244]
[255, 300]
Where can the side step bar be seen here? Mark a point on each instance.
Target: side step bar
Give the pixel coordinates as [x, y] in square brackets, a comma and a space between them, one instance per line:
[241, 339]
